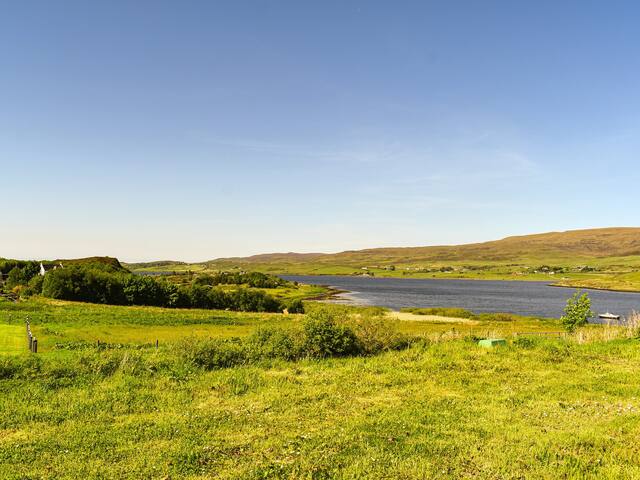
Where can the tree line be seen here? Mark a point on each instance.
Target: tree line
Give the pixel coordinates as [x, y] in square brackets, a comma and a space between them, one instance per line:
[252, 279]
[98, 283]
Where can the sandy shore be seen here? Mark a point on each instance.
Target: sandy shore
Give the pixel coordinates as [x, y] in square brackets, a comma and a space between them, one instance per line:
[429, 318]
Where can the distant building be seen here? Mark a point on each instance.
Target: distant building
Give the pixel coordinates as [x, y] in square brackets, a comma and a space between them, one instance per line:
[47, 268]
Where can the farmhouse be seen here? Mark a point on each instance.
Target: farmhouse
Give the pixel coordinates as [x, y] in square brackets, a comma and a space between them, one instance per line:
[50, 266]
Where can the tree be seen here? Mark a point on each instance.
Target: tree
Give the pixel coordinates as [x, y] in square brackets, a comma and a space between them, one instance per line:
[35, 285]
[577, 312]
[20, 275]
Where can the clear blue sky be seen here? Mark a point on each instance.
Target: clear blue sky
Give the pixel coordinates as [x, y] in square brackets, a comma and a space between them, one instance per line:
[194, 130]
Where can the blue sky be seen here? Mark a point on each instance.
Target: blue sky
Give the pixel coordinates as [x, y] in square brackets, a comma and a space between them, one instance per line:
[195, 130]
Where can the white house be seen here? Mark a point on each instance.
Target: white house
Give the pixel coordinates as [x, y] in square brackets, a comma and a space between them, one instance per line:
[46, 268]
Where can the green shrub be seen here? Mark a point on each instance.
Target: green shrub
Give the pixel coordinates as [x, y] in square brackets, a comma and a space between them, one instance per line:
[269, 342]
[213, 354]
[376, 334]
[324, 337]
[295, 306]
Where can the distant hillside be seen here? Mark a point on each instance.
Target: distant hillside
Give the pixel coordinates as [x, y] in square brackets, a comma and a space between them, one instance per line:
[112, 262]
[104, 263]
[574, 245]
[275, 257]
[158, 263]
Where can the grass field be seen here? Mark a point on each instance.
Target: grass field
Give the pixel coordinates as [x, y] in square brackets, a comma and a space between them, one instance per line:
[12, 339]
[59, 322]
[444, 408]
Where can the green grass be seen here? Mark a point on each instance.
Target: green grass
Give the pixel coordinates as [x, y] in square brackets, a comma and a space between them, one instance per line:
[60, 322]
[12, 339]
[444, 408]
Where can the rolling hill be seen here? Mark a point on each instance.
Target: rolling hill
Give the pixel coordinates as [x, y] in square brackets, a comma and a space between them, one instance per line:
[571, 245]
[607, 258]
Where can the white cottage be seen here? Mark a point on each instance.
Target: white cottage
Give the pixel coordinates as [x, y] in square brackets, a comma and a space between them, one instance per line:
[50, 266]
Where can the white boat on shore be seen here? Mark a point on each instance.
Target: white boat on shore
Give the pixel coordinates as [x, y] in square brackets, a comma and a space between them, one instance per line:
[609, 316]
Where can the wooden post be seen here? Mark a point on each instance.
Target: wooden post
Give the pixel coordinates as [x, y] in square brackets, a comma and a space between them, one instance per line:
[35, 345]
[30, 337]
[156, 343]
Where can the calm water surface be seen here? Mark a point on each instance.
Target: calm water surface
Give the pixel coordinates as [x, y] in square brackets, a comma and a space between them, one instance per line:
[522, 298]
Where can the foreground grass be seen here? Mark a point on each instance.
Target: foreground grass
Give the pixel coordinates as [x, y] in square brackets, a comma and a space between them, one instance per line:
[443, 408]
[544, 409]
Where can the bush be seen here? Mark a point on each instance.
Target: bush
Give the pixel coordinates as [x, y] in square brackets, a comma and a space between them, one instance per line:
[324, 333]
[214, 353]
[375, 334]
[277, 343]
[295, 306]
[323, 337]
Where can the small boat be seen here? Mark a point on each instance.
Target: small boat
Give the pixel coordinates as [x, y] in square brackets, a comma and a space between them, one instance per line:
[609, 316]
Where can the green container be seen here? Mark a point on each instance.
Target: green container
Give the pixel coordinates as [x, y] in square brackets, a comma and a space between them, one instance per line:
[492, 342]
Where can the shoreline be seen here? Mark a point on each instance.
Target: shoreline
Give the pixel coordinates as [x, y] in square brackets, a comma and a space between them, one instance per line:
[600, 289]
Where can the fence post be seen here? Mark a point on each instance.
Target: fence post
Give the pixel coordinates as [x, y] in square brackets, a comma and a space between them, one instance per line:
[156, 343]
[35, 345]
[29, 334]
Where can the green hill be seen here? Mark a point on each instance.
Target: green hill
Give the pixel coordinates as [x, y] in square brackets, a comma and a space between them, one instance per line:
[607, 258]
[597, 258]
[571, 245]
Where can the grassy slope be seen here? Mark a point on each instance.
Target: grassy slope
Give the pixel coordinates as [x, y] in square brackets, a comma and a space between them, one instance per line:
[451, 410]
[613, 252]
[445, 409]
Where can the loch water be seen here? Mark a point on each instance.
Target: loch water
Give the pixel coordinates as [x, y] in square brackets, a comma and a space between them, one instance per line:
[479, 296]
